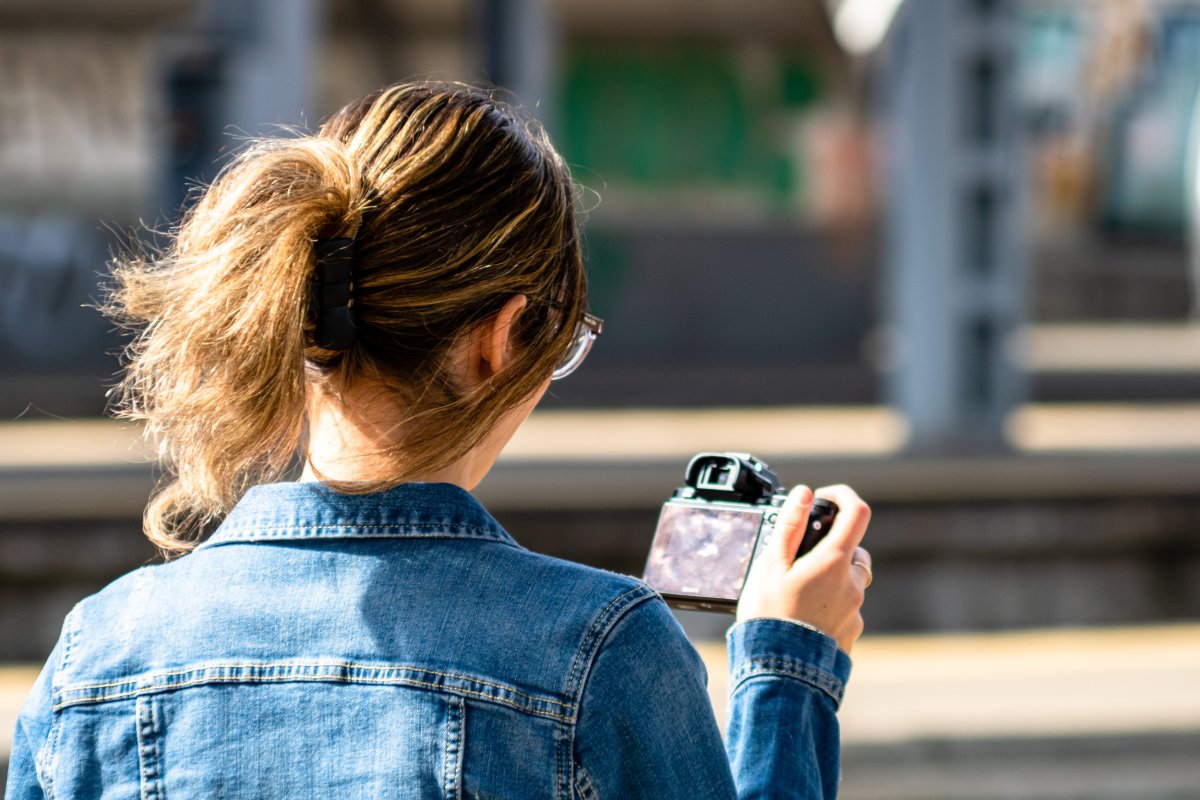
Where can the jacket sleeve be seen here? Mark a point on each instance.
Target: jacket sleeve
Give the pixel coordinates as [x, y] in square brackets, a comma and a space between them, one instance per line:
[646, 727]
[32, 730]
[786, 682]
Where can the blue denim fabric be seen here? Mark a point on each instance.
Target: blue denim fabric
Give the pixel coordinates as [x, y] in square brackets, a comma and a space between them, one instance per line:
[403, 645]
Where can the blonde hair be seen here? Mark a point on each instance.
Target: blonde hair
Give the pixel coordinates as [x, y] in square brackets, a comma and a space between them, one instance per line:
[456, 203]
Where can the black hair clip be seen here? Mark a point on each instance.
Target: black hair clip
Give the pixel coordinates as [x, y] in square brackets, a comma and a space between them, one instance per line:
[331, 298]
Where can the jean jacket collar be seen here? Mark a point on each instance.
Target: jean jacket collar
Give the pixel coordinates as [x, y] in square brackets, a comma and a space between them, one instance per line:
[310, 510]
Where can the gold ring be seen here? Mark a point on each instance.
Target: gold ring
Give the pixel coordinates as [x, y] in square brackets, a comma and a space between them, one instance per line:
[867, 567]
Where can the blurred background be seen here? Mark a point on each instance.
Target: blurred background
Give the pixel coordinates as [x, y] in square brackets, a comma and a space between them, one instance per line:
[941, 250]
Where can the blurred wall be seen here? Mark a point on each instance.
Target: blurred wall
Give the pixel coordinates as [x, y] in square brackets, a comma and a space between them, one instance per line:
[729, 245]
[729, 152]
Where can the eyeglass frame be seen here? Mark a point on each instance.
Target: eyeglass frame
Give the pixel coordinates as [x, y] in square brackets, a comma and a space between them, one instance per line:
[587, 330]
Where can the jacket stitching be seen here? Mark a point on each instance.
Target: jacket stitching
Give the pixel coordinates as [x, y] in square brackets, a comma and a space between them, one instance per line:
[612, 613]
[789, 665]
[790, 668]
[43, 761]
[448, 525]
[149, 768]
[40, 754]
[564, 744]
[603, 622]
[531, 706]
[453, 757]
[290, 666]
[583, 784]
[762, 674]
[344, 526]
[313, 679]
[68, 641]
[53, 743]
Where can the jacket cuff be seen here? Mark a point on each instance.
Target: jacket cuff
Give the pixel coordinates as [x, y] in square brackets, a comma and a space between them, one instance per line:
[781, 648]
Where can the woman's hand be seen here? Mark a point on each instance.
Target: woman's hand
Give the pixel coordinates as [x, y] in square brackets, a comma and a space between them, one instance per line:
[823, 588]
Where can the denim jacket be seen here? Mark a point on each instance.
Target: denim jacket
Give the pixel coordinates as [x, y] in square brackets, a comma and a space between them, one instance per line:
[403, 645]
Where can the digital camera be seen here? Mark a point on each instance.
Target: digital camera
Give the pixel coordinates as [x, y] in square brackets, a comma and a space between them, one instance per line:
[710, 531]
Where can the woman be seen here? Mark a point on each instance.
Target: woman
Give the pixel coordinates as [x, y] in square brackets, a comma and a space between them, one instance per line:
[390, 298]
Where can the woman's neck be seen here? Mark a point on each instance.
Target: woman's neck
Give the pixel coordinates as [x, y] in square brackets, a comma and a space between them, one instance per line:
[353, 437]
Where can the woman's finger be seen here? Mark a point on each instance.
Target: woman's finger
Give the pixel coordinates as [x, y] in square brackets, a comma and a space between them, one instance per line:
[850, 525]
[790, 524]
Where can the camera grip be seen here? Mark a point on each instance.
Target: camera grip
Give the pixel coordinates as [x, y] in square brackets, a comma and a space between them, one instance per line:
[820, 520]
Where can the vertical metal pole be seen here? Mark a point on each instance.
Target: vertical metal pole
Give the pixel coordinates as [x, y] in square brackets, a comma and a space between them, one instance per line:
[242, 67]
[955, 277]
[520, 52]
[271, 49]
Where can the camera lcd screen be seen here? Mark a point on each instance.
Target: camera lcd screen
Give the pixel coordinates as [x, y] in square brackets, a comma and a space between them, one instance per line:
[702, 550]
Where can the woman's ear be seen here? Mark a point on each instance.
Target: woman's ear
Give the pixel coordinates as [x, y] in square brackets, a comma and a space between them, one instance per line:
[493, 342]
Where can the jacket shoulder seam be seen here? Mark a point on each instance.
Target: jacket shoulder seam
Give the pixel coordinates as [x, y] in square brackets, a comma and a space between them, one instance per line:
[612, 613]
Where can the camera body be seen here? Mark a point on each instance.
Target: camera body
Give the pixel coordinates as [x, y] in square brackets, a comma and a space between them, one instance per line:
[712, 528]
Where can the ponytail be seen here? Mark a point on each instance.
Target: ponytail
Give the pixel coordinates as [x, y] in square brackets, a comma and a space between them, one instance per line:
[217, 372]
[453, 203]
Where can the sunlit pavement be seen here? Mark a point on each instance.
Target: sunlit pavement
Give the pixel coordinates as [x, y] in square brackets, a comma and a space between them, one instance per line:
[15, 682]
[1111, 713]
[1108, 714]
[1043, 683]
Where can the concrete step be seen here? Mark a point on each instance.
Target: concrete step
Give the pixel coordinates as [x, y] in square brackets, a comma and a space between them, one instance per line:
[1101, 767]
[100, 469]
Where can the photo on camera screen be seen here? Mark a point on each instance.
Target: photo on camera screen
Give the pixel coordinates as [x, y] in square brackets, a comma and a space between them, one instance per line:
[702, 551]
